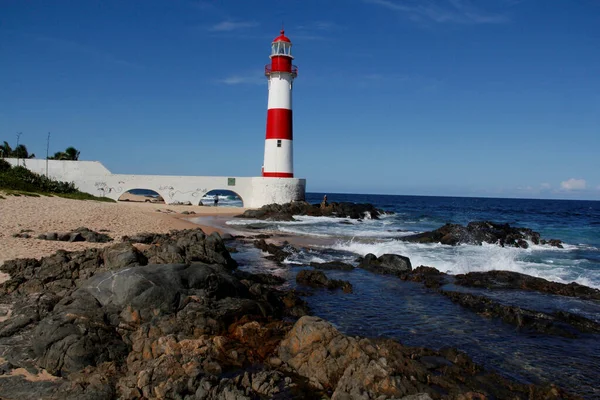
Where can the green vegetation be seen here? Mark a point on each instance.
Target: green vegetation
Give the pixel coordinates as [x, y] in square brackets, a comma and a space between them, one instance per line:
[70, 153]
[18, 152]
[19, 181]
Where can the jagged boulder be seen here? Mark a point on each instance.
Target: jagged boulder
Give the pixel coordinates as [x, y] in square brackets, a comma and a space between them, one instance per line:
[318, 279]
[81, 234]
[355, 368]
[479, 232]
[286, 212]
[186, 246]
[518, 281]
[387, 264]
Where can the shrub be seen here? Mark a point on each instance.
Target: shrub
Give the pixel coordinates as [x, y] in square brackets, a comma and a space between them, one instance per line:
[4, 165]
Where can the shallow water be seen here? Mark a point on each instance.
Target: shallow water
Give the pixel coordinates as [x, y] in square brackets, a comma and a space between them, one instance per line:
[384, 306]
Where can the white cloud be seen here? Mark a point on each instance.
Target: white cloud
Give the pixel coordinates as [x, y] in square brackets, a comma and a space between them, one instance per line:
[545, 186]
[441, 11]
[573, 184]
[228, 26]
[249, 79]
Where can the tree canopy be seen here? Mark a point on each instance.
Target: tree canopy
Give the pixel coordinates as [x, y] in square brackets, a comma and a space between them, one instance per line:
[18, 152]
[70, 153]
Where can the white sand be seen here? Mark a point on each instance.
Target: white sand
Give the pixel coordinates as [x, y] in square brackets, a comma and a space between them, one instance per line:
[55, 214]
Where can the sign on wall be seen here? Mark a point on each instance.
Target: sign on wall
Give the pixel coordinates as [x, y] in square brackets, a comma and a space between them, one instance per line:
[230, 181]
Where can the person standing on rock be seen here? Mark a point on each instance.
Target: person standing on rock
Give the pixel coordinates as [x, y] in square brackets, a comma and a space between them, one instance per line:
[324, 202]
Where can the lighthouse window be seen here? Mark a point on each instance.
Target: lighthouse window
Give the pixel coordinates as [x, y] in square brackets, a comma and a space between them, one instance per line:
[278, 143]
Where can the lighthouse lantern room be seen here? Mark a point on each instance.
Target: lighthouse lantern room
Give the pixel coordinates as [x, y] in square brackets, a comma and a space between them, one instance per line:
[279, 162]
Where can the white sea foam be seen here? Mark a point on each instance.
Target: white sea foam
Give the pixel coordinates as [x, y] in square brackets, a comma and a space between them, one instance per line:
[467, 258]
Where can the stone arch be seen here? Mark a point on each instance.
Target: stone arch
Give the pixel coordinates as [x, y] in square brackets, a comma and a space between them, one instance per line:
[224, 198]
[142, 195]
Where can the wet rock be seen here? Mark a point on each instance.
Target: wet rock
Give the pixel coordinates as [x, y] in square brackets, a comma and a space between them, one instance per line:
[429, 276]
[285, 212]
[349, 367]
[186, 246]
[479, 232]
[333, 265]
[318, 279]
[266, 279]
[387, 264]
[558, 323]
[277, 252]
[516, 280]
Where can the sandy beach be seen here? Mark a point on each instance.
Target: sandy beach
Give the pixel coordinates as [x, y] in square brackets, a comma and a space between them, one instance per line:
[37, 215]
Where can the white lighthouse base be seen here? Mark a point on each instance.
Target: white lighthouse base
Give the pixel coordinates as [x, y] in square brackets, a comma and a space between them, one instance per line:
[94, 178]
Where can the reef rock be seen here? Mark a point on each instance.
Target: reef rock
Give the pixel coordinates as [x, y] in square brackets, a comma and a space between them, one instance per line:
[481, 232]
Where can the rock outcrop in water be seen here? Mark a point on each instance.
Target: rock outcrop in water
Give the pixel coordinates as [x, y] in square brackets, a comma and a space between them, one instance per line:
[557, 323]
[481, 232]
[318, 279]
[359, 368]
[387, 264]
[108, 323]
[516, 280]
[286, 212]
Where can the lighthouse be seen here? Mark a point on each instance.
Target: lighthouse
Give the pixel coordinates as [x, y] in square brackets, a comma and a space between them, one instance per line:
[279, 159]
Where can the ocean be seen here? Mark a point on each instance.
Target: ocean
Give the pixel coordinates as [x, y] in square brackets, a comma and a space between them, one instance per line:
[384, 306]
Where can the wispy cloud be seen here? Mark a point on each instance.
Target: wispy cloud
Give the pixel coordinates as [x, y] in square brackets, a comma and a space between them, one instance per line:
[573, 184]
[87, 50]
[230, 25]
[252, 78]
[316, 30]
[441, 11]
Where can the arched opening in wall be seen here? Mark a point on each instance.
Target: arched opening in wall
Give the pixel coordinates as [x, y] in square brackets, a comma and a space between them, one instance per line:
[222, 198]
[142, 196]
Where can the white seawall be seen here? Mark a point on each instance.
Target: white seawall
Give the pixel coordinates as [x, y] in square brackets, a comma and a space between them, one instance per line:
[94, 178]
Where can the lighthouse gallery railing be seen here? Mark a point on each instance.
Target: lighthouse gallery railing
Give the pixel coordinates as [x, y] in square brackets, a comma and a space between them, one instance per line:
[268, 70]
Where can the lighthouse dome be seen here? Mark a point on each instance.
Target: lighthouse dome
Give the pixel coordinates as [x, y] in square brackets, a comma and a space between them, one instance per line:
[281, 37]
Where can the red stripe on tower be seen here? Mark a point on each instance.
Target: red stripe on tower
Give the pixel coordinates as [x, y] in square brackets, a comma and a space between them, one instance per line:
[279, 124]
[278, 162]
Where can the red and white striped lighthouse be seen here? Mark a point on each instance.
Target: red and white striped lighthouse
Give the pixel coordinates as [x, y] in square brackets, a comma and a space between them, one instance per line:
[279, 159]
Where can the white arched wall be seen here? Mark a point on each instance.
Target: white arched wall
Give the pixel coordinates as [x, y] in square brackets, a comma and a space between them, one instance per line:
[92, 177]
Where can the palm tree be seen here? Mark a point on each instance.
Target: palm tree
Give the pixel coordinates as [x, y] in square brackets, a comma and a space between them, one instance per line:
[19, 152]
[70, 153]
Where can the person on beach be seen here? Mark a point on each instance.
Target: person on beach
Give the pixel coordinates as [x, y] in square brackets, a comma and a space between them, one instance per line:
[216, 200]
[324, 202]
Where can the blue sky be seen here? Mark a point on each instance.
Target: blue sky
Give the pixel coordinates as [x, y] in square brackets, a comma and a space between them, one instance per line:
[495, 98]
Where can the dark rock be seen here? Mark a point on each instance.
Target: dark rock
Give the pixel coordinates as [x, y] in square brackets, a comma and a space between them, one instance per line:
[387, 264]
[277, 252]
[186, 246]
[21, 235]
[515, 280]
[349, 368]
[262, 236]
[74, 336]
[76, 237]
[285, 212]
[430, 277]
[479, 232]
[265, 279]
[558, 323]
[319, 280]
[91, 236]
[122, 255]
[333, 265]
[227, 237]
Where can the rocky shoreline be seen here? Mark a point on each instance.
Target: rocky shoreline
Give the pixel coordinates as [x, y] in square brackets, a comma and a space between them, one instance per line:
[171, 316]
